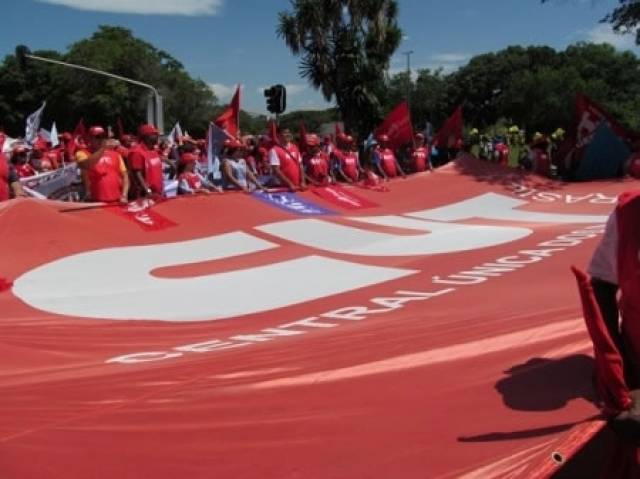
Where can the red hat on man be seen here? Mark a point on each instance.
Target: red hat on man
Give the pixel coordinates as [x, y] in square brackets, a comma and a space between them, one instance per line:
[312, 140]
[97, 131]
[188, 158]
[147, 130]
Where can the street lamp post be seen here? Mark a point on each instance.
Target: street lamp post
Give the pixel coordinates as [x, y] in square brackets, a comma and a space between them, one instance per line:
[155, 113]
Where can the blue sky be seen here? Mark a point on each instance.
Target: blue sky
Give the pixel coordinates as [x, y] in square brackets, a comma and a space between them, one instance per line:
[225, 42]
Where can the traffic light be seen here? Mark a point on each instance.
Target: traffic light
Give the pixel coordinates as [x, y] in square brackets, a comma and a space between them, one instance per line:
[21, 55]
[276, 99]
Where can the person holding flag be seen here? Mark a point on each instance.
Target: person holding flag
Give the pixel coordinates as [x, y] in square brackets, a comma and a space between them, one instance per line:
[385, 160]
[146, 165]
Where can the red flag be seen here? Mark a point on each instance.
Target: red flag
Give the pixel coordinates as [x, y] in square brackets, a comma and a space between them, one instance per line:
[302, 143]
[80, 130]
[451, 131]
[608, 368]
[273, 132]
[397, 126]
[229, 119]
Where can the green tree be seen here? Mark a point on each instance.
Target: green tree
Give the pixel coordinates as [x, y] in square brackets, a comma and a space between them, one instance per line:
[72, 94]
[345, 47]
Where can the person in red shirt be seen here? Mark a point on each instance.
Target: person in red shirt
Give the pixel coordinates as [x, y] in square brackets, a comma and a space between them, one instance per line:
[385, 160]
[540, 161]
[501, 152]
[106, 173]
[286, 163]
[20, 161]
[316, 162]
[420, 158]
[190, 182]
[9, 180]
[347, 161]
[145, 164]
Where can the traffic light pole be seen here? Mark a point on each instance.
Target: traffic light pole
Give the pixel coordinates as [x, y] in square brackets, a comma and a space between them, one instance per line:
[155, 112]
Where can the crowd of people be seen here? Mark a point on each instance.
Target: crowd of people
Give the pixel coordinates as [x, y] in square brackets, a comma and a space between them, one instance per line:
[135, 166]
[124, 169]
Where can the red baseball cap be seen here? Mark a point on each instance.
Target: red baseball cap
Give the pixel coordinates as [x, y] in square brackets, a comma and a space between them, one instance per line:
[312, 140]
[97, 131]
[147, 130]
[188, 158]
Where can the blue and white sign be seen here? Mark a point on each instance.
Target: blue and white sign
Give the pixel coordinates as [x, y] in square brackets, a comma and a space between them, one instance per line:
[292, 203]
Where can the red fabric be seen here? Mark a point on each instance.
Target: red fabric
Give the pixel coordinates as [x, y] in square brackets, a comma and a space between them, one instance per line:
[289, 164]
[25, 170]
[628, 221]
[343, 197]
[634, 166]
[4, 178]
[149, 163]
[192, 180]
[420, 158]
[302, 133]
[318, 167]
[5, 285]
[502, 152]
[144, 216]
[542, 162]
[451, 130]
[388, 162]
[349, 165]
[609, 368]
[80, 130]
[397, 126]
[229, 119]
[105, 178]
[475, 382]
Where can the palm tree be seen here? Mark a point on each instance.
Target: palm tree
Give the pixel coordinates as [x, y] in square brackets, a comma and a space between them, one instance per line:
[345, 47]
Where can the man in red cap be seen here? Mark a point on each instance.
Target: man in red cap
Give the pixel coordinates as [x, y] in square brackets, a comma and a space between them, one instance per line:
[316, 162]
[385, 160]
[9, 180]
[420, 158]
[286, 162]
[145, 164]
[106, 173]
[20, 161]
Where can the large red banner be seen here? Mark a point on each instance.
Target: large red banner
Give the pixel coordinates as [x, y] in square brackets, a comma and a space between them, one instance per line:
[436, 335]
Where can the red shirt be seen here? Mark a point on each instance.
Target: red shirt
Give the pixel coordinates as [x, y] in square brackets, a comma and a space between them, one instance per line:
[289, 162]
[349, 165]
[191, 179]
[388, 162]
[502, 152]
[105, 177]
[627, 214]
[419, 158]
[25, 170]
[541, 162]
[634, 166]
[4, 178]
[149, 163]
[318, 167]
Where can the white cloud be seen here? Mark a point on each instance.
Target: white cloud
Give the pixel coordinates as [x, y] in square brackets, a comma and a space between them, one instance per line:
[147, 7]
[223, 92]
[450, 57]
[603, 33]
